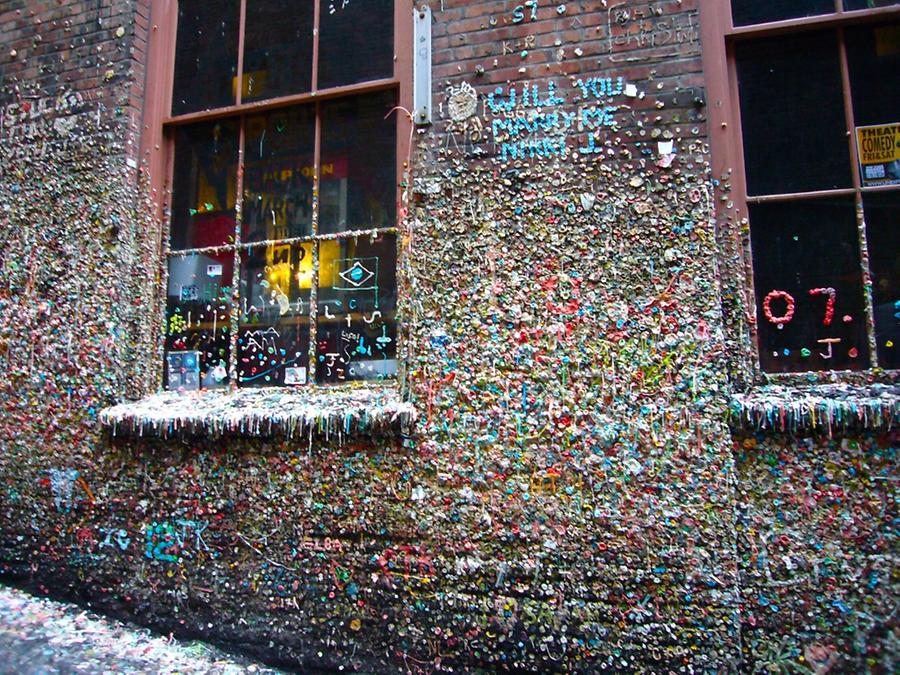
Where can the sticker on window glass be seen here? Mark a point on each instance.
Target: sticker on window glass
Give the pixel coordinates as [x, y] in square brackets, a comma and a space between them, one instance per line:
[295, 375]
[879, 154]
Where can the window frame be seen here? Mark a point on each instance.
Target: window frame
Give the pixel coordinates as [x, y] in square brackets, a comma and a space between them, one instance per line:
[158, 127]
[719, 36]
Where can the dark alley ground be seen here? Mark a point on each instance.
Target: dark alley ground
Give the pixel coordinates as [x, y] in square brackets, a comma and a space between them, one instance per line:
[42, 636]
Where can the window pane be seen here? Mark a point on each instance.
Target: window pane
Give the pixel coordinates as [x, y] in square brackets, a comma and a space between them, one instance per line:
[205, 55]
[359, 151]
[883, 234]
[203, 184]
[792, 114]
[278, 174]
[356, 41]
[356, 326]
[198, 315]
[869, 4]
[805, 261]
[873, 54]
[277, 48]
[273, 341]
[746, 12]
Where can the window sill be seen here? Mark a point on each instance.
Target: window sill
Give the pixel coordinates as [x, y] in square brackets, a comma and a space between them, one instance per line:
[821, 409]
[262, 412]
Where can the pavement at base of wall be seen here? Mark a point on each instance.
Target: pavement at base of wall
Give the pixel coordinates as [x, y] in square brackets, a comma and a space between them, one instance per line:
[38, 635]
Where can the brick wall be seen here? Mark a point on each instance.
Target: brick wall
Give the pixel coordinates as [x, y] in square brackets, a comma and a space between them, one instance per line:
[554, 508]
[564, 287]
[77, 259]
[567, 500]
[96, 49]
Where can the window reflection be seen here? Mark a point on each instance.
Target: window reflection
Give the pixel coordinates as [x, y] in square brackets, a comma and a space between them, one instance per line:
[277, 48]
[204, 180]
[206, 55]
[747, 12]
[792, 143]
[273, 341]
[357, 298]
[278, 174]
[198, 315]
[869, 4]
[873, 54]
[356, 41]
[359, 154]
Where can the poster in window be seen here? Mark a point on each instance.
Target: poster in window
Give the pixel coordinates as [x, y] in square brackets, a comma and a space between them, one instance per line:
[879, 154]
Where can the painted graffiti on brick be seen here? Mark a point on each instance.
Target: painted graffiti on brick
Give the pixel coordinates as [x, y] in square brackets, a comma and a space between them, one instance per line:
[531, 121]
[169, 540]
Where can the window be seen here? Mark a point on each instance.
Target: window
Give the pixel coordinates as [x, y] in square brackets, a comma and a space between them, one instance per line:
[284, 165]
[812, 130]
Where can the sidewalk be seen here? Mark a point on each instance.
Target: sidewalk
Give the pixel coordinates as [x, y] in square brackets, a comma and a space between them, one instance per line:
[44, 636]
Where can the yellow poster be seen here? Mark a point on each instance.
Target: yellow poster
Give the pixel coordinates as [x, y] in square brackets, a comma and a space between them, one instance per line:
[879, 153]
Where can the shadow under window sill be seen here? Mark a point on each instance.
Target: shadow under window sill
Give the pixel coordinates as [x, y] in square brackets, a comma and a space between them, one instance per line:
[338, 411]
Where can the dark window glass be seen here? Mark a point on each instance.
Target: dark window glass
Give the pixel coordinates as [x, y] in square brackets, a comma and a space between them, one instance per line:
[198, 315]
[882, 211]
[806, 262]
[277, 48]
[204, 183]
[869, 4]
[357, 296]
[278, 174]
[746, 12]
[359, 151]
[205, 55]
[356, 41]
[873, 54]
[793, 142]
[273, 341]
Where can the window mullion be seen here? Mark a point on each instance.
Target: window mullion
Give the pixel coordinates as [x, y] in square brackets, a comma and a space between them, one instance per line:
[235, 317]
[857, 185]
[314, 224]
[799, 196]
[315, 58]
[314, 283]
[242, 26]
[163, 262]
[815, 22]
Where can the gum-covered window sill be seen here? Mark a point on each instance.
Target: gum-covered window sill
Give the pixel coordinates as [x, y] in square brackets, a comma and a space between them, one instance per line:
[338, 411]
[821, 409]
